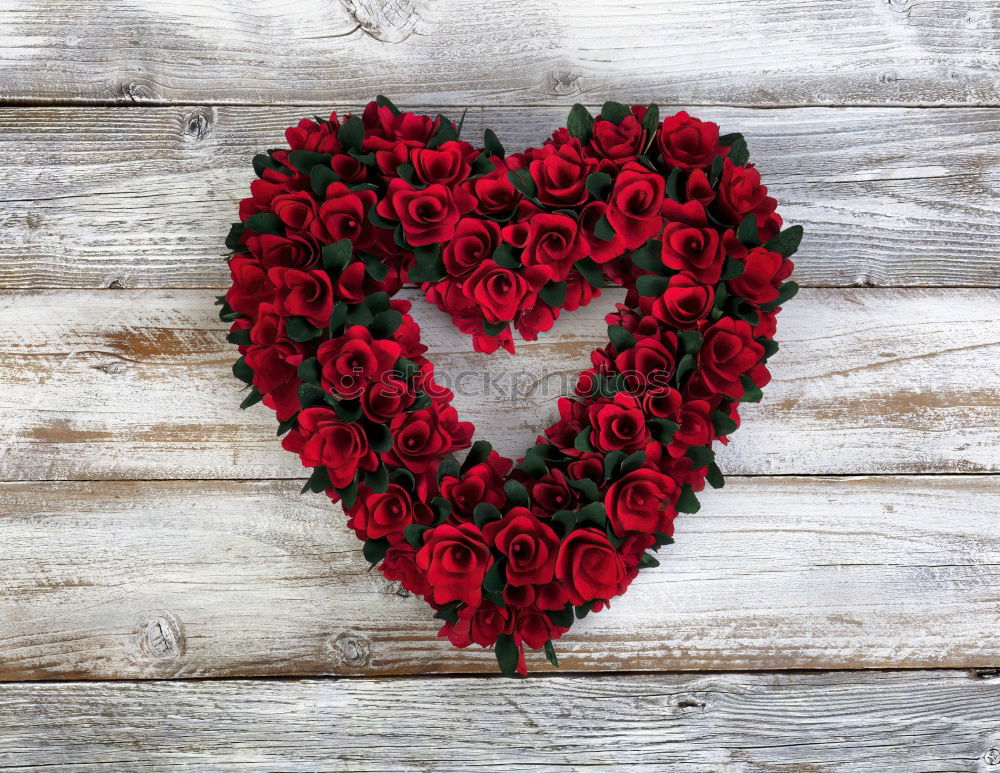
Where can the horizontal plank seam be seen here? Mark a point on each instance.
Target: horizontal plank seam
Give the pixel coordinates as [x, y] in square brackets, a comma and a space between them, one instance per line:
[117, 286]
[978, 674]
[131, 103]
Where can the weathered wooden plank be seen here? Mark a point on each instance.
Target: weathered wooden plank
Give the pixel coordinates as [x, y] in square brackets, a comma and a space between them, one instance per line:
[907, 722]
[136, 385]
[105, 580]
[770, 52]
[144, 197]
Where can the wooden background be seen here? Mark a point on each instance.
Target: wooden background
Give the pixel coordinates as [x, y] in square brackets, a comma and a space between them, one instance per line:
[836, 607]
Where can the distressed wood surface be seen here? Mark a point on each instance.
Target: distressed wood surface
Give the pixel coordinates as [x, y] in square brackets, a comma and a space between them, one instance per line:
[147, 579]
[137, 384]
[92, 197]
[859, 722]
[757, 52]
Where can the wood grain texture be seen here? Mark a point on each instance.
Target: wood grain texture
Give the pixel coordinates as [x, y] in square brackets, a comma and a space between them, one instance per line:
[759, 52]
[118, 580]
[92, 197]
[803, 723]
[137, 385]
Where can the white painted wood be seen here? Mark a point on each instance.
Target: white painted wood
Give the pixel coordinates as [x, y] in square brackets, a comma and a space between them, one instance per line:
[758, 52]
[850, 722]
[137, 384]
[119, 580]
[144, 197]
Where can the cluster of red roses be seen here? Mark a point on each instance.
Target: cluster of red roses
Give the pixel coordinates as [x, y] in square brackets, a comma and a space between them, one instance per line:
[356, 206]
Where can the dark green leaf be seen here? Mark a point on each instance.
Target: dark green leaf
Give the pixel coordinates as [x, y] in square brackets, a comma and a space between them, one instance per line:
[309, 371]
[688, 502]
[378, 480]
[298, 329]
[737, 145]
[504, 257]
[723, 424]
[351, 133]
[382, 101]
[385, 323]
[484, 512]
[561, 618]
[449, 612]
[508, 654]
[494, 328]
[517, 494]
[379, 438]
[648, 561]
[240, 336]
[651, 121]
[336, 256]
[346, 410]
[318, 482]
[580, 123]
[448, 468]
[747, 231]
[252, 398]
[348, 495]
[599, 184]
[651, 286]
[414, 534]
[751, 392]
[674, 190]
[554, 294]
[733, 268]
[286, 425]
[310, 395]
[590, 271]
[586, 487]
[495, 579]
[594, 513]
[690, 340]
[374, 550]
[522, 181]
[648, 257]
[338, 317]
[478, 454]
[375, 268]
[322, 177]
[787, 242]
[550, 653]
[611, 463]
[700, 456]
[633, 462]
[684, 366]
[264, 223]
[615, 112]
[714, 476]
[582, 441]
[492, 145]
[786, 292]
[620, 338]
[663, 429]
[305, 160]
[233, 237]
[603, 229]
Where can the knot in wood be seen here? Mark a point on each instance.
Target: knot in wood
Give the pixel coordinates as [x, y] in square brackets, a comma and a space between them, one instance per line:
[197, 123]
[162, 637]
[351, 649]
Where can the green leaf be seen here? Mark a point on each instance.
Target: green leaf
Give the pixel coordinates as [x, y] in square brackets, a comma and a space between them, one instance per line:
[264, 161]
[522, 181]
[651, 121]
[338, 316]
[517, 494]
[688, 502]
[377, 302]
[533, 464]
[385, 323]
[770, 346]
[733, 268]
[787, 242]
[264, 223]
[494, 328]
[378, 480]
[603, 229]
[478, 454]
[690, 340]
[582, 441]
[620, 338]
[566, 520]
[286, 425]
[751, 392]
[700, 456]
[684, 366]
[240, 336]
[495, 579]
[786, 292]
[374, 550]
[633, 462]
[379, 438]
[429, 267]
[561, 618]
[651, 286]
[446, 133]
[322, 177]
[580, 123]
[382, 101]
[714, 476]
[252, 398]
[593, 513]
[484, 512]
[449, 612]
[599, 184]
[663, 429]
[309, 371]
[310, 395]
[587, 487]
[375, 268]
[492, 144]
[448, 468]
[503, 256]
[508, 654]
[351, 133]
[611, 463]
[723, 424]
[233, 238]
[647, 257]
[747, 231]
[737, 145]
[414, 534]
[590, 271]
[550, 653]
[336, 256]
[305, 160]
[318, 482]
[674, 189]
[554, 294]
[405, 368]
[615, 112]
[648, 561]
[298, 329]
[349, 495]
[583, 610]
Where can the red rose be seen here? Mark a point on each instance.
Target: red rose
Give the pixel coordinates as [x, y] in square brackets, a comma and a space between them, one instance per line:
[650, 362]
[601, 251]
[400, 564]
[482, 482]
[589, 568]
[530, 546]
[535, 628]
[305, 294]
[635, 203]
[421, 438]
[560, 174]
[764, 271]
[728, 351]
[572, 414]
[251, 286]
[317, 137]
[688, 143]
[642, 501]
[321, 439]
[274, 364]
[295, 210]
[384, 399]
[480, 625]
[553, 240]
[617, 144]
[382, 123]
[696, 427]
[690, 244]
[500, 292]
[740, 194]
[348, 168]
[699, 188]
[349, 361]
[618, 424]
[685, 302]
[455, 559]
[495, 195]
[662, 403]
[448, 163]
[344, 215]
[294, 251]
[552, 492]
[386, 514]
[475, 240]
[428, 216]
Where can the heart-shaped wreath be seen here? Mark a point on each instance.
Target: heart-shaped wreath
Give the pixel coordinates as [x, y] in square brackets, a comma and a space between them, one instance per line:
[359, 205]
